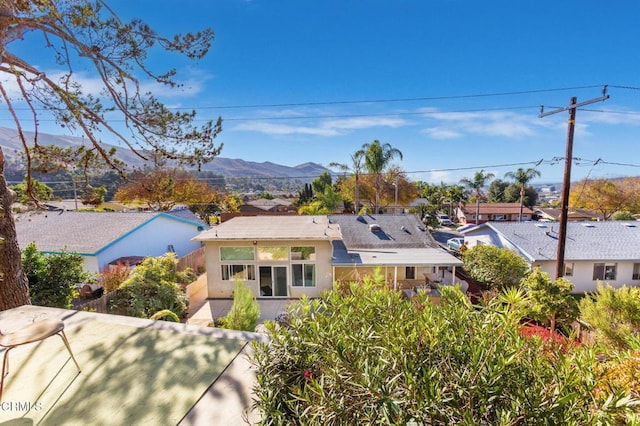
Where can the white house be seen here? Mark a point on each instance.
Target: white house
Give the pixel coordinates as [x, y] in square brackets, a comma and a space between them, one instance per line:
[608, 252]
[101, 238]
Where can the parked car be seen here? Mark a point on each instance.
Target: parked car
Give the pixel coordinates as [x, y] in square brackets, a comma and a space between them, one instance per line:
[455, 243]
[444, 220]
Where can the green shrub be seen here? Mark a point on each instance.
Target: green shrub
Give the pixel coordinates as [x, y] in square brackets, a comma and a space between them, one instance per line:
[165, 315]
[553, 303]
[614, 314]
[151, 287]
[494, 267]
[244, 312]
[367, 356]
[53, 278]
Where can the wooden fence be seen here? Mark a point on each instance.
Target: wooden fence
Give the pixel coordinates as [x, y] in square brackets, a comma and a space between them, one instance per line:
[193, 260]
[97, 305]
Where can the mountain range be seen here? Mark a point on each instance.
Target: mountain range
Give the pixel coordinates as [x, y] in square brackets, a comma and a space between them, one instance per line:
[227, 167]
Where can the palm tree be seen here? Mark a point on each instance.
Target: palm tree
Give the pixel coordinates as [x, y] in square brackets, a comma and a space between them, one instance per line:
[356, 169]
[479, 181]
[377, 157]
[522, 178]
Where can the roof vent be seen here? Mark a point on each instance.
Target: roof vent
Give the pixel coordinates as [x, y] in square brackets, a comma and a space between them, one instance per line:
[541, 225]
[588, 225]
[630, 225]
[374, 227]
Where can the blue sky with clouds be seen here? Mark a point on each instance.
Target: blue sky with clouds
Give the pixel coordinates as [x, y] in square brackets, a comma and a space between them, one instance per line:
[455, 85]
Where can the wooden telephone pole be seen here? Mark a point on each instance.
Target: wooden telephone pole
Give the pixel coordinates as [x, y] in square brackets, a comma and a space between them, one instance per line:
[566, 181]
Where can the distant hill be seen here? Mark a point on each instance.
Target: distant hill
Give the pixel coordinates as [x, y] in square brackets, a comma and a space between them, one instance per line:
[228, 167]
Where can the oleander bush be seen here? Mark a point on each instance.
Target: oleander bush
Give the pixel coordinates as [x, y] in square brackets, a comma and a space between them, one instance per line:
[613, 314]
[365, 355]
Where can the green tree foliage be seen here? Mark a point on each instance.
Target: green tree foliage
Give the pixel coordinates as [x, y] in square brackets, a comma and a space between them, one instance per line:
[553, 301]
[476, 184]
[364, 355]
[154, 285]
[495, 194]
[522, 177]
[320, 183]
[494, 267]
[305, 195]
[614, 314]
[376, 159]
[622, 215]
[245, 310]
[40, 191]
[53, 278]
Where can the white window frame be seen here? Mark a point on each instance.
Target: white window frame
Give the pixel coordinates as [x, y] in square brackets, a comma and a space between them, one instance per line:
[303, 266]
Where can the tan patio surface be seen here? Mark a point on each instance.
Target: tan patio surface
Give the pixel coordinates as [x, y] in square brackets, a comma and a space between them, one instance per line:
[134, 371]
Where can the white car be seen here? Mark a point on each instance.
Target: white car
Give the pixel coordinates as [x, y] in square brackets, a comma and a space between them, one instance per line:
[444, 220]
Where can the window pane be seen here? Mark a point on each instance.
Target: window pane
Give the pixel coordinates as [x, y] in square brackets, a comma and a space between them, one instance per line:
[309, 275]
[272, 253]
[610, 272]
[410, 273]
[636, 271]
[303, 253]
[251, 272]
[297, 275]
[598, 271]
[568, 269]
[236, 253]
[225, 272]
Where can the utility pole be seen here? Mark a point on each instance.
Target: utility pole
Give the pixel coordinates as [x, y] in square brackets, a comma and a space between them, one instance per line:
[566, 180]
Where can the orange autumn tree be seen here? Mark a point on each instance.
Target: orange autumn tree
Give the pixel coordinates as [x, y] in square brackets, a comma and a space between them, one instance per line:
[162, 189]
[606, 196]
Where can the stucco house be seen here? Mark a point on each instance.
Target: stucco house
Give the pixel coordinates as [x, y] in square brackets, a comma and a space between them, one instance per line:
[100, 238]
[492, 212]
[595, 251]
[291, 256]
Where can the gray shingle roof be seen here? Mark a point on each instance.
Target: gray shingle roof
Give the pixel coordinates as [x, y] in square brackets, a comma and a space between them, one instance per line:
[396, 231]
[611, 240]
[272, 228]
[81, 232]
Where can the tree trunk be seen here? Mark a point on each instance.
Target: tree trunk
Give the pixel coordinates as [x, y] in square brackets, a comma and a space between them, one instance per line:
[14, 290]
[357, 196]
[521, 203]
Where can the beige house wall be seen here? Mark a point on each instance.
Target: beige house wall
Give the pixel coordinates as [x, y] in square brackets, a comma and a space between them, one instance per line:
[219, 288]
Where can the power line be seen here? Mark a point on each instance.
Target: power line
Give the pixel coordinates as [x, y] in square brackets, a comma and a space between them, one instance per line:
[382, 100]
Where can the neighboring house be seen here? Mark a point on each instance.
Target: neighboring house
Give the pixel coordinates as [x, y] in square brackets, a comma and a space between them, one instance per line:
[492, 212]
[265, 205]
[101, 238]
[291, 256]
[573, 215]
[595, 251]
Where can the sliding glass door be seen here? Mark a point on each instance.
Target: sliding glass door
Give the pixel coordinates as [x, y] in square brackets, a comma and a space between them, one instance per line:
[273, 281]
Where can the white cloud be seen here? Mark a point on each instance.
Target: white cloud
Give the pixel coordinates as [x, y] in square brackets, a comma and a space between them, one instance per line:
[284, 129]
[488, 123]
[442, 133]
[334, 127]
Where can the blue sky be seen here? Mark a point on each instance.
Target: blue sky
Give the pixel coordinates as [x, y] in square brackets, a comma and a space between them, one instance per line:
[285, 77]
